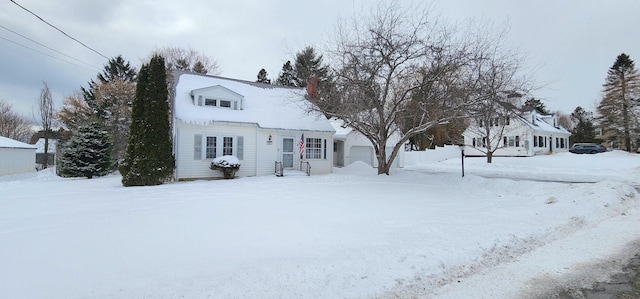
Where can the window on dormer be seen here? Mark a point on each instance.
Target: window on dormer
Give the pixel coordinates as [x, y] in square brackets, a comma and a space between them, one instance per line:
[210, 102]
[226, 104]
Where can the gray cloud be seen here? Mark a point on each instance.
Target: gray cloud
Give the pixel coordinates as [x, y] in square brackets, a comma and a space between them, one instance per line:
[569, 44]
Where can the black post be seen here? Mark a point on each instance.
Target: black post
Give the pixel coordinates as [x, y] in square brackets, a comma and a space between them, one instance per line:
[462, 158]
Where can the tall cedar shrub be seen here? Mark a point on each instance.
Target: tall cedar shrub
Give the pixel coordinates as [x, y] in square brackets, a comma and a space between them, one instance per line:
[149, 159]
[88, 153]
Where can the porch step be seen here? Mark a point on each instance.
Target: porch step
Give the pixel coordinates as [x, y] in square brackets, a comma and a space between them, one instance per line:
[293, 172]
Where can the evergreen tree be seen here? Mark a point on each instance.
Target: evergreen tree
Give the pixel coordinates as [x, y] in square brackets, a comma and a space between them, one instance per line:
[198, 67]
[619, 105]
[149, 159]
[287, 76]
[308, 64]
[584, 130]
[263, 77]
[108, 100]
[535, 103]
[117, 69]
[87, 154]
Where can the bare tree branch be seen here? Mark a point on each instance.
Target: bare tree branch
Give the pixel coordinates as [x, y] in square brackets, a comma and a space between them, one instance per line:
[13, 125]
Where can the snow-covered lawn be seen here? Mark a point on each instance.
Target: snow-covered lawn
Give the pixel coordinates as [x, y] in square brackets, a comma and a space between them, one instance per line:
[423, 232]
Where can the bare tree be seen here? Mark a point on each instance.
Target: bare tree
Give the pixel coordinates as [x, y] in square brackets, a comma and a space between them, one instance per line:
[75, 111]
[392, 65]
[493, 118]
[497, 85]
[188, 60]
[46, 113]
[13, 125]
[565, 121]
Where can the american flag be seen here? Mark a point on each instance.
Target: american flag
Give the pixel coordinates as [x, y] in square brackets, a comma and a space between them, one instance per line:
[301, 145]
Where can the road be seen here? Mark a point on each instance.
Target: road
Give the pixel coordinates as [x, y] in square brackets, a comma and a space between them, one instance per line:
[624, 279]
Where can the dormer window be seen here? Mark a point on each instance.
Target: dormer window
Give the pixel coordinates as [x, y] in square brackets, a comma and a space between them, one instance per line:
[217, 96]
[226, 104]
[210, 102]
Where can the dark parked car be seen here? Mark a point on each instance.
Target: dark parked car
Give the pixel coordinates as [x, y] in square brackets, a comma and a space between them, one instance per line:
[602, 148]
[587, 148]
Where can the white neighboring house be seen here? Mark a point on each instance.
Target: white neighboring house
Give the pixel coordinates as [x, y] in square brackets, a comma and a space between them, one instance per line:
[260, 124]
[51, 151]
[528, 133]
[16, 157]
[350, 146]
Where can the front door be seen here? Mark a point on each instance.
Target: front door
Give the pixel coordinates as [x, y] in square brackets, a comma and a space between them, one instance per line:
[287, 152]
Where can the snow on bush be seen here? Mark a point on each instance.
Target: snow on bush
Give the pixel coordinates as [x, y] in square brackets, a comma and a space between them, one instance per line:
[227, 164]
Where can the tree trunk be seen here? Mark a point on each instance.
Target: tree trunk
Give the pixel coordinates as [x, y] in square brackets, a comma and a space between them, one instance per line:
[383, 166]
[489, 157]
[45, 158]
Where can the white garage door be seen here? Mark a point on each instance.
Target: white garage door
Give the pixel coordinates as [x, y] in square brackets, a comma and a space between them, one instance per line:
[361, 153]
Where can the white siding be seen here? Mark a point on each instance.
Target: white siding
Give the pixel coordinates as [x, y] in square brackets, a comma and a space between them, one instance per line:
[187, 167]
[324, 165]
[267, 152]
[17, 160]
[526, 147]
[259, 155]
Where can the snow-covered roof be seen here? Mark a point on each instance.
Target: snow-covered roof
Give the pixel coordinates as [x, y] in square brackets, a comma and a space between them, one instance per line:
[40, 145]
[12, 143]
[341, 129]
[542, 126]
[269, 106]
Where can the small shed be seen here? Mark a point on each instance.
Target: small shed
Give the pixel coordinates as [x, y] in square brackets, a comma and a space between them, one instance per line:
[16, 157]
[51, 151]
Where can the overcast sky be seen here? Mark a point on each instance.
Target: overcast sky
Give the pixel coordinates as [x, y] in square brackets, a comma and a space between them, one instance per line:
[569, 44]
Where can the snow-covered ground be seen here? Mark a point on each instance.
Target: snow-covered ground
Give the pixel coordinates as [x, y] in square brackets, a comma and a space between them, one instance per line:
[423, 232]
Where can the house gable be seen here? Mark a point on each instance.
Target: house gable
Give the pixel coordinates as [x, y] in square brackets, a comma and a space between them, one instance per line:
[217, 96]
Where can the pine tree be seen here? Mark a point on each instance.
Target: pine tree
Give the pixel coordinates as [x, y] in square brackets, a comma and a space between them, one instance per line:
[108, 100]
[584, 130]
[287, 75]
[87, 154]
[308, 64]
[117, 69]
[618, 107]
[263, 77]
[198, 67]
[535, 103]
[149, 159]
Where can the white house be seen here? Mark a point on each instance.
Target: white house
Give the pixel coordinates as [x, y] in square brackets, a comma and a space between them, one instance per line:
[350, 146]
[260, 124]
[526, 133]
[16, 157]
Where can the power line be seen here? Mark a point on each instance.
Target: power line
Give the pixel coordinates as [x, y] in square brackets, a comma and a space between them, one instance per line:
[21, 45]
[69, 36]
[54, 50]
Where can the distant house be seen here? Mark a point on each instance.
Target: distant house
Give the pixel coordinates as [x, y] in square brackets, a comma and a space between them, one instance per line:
[527, 133]
[350, 146]
[51, 151]
[262, 125]
[16, 157]
[615, 141]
